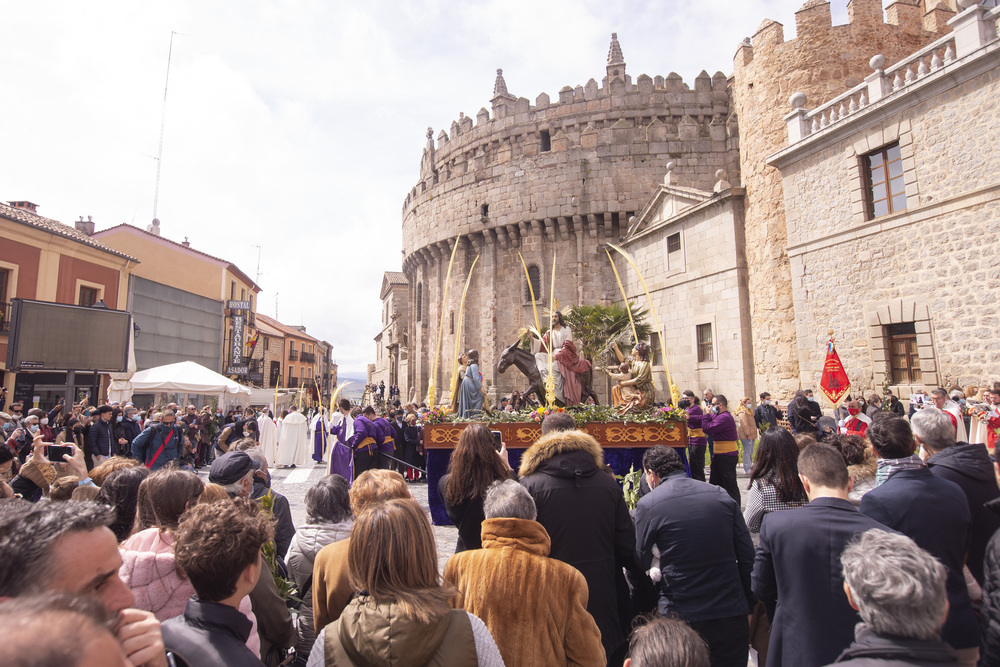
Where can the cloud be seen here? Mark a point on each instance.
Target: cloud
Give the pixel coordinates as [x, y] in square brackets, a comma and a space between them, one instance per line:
[297, 125]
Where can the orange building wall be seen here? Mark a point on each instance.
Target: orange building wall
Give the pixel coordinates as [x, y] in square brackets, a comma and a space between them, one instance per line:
[72, 269]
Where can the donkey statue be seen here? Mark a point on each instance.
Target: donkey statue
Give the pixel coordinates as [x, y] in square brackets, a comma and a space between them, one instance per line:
[525, 362]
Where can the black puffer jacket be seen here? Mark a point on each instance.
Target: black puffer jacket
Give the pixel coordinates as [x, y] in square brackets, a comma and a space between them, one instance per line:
[970, 467]
[989, 613]
[583, 509]
[872, 650]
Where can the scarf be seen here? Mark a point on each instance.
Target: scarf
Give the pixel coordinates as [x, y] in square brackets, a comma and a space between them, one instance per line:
[887, 467]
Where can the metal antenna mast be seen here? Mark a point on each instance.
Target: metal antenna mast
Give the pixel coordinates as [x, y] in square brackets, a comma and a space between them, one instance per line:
[258, 263]
[163, 118]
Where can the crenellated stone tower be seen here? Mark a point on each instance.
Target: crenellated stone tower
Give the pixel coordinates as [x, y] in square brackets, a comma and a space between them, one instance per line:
[554, 180]
[822, 61]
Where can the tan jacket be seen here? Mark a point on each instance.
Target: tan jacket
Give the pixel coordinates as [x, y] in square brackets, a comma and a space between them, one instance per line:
[330, 589]
[534, 606]
[746, 427]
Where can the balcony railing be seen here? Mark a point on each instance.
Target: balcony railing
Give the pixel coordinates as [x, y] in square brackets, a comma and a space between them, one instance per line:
[4, 317]
[293, 355]
[292, 383]
[307, 358]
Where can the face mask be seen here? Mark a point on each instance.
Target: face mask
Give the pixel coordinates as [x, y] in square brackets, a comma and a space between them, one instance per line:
[119, 419]
[852, 411]
[8, 428]
[812, 398]
[44, 421]
[33, 428]
[135, 418]
[246, 434]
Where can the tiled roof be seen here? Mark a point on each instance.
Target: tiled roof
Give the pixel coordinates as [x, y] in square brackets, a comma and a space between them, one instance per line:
[396, 278]
[232, 267]
[284, 328]
[26, 217]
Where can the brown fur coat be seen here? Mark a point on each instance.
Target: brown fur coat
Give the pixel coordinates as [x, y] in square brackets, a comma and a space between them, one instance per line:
[534, 606]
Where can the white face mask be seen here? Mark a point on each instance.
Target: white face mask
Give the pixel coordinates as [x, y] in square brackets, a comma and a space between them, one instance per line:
[44, 421]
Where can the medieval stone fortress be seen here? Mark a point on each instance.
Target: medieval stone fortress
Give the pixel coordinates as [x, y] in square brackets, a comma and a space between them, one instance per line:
[843, 180]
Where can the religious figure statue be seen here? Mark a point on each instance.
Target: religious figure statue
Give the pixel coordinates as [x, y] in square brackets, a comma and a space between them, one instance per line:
[567, 365]
[641, 372]
[470, 395]
[459, 379]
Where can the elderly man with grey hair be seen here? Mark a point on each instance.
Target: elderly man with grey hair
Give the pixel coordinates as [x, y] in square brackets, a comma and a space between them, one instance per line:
[899, 592]
[967, 465]
[534, 606]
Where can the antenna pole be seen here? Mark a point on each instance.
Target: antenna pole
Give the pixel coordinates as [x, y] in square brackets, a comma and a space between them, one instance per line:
[258, 263]
[163, 118]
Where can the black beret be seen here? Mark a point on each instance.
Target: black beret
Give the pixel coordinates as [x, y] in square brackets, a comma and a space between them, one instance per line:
[230, 468]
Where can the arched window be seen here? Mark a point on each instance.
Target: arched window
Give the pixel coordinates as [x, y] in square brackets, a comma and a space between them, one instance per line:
[535, 276]
[420, 301]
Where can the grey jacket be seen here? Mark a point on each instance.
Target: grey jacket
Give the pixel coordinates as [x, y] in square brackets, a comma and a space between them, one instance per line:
[308, 540]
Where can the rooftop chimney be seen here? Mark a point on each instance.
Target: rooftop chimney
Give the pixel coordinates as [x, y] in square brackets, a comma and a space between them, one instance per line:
[186, 244]
[26, 205]
[87, 227]
[154, 227]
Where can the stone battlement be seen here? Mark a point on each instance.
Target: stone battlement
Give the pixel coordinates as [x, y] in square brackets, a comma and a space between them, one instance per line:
[597, 149]
[814, 26]
[583, 116]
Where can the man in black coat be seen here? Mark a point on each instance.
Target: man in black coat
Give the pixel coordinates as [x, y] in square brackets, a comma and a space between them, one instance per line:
[706, 555]
[101, 438]
[582, 507]
[899, 590]
[797, 571]
[934, 512]
[967, 465]
[766, 413]
[398, 427]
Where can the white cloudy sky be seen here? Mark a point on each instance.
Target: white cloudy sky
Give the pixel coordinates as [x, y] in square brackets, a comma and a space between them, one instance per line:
[298, 125]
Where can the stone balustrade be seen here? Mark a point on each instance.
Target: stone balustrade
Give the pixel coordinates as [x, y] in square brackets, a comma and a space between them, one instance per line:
[973, 29]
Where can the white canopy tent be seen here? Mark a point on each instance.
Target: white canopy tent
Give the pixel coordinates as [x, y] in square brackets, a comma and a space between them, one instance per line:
[185, 376]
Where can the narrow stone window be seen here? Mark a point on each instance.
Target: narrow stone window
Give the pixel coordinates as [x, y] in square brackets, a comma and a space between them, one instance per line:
[420, 301]
[484, 210]
[655, 353]
[884, 188]
[674, 242]
[451, 317]
[546, 141]
[706, 353]
[535, 276]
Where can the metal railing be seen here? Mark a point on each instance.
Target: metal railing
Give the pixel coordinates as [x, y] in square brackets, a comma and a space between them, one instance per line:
[293, 355]
[307, 358]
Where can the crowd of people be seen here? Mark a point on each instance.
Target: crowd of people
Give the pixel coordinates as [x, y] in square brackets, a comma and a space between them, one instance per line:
[873, 546]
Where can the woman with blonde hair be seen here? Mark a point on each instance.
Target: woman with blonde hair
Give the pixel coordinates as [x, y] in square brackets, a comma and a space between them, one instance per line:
[401, 607]
[746, 431]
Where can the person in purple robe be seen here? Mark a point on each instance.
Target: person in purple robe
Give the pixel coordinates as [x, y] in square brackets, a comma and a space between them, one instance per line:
[341, 455]
[365, 442]
[386, 442]
[320, 435]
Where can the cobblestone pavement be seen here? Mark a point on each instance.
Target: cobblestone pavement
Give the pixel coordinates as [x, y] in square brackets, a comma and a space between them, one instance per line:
[294, 482]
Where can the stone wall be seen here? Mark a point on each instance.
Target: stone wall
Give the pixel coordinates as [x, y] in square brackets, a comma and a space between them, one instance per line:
[702, 283]
[822, 61]
[934, 264]
[554, 182]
